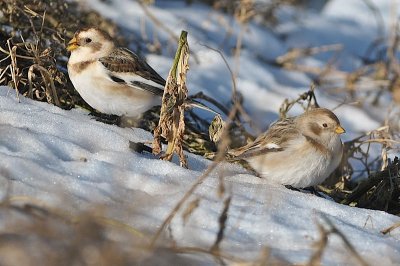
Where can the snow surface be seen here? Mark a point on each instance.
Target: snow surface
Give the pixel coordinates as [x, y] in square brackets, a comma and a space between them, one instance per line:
[68, 157]
[68, 160]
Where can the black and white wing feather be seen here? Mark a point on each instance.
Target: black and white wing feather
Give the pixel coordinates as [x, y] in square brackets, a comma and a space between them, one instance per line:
[126, 67]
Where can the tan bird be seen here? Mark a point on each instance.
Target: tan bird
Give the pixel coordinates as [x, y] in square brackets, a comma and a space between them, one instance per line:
[300, 151]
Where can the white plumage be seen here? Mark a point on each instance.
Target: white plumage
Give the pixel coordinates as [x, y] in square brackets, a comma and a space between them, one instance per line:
[112, 80]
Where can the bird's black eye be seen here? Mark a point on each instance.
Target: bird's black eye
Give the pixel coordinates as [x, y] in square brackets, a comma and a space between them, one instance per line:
[325, 125]
[88, 40]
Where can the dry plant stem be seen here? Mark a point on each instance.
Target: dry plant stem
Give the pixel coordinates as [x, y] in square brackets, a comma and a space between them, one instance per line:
[238, 50]
[382, 141]
[51, 92]
[3, 72]
[215, 253]
[5, 58]
[18, 56]
[188, 193]
[390, 228]
[297, 53]
[233, 77]
[334, 230]
[13, 67]
[308, 97]
[288, 61]
[242, 14]
[234, 96]
[171, 125]
[385, 146]
[32, 206]
[320, 246]
[106, 221]
[189, 210]
[222, 224]
[218, 158]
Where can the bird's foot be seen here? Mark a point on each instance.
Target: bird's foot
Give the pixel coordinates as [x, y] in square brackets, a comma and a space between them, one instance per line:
[106, 118]
[310, 190]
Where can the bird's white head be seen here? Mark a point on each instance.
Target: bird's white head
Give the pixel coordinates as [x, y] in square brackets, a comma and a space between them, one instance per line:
[321, 125]
[89, 44]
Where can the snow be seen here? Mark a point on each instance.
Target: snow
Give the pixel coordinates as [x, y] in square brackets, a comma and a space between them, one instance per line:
[70, 161]
[69, 157]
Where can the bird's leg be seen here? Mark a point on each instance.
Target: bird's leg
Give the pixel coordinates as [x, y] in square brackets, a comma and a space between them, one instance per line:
[310, 190]
[292, 188]
[106, 118]
[313, 191]
[140, 147]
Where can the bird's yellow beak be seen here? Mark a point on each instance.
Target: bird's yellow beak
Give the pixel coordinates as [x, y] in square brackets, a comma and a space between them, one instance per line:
[340, 130]
[72, 45]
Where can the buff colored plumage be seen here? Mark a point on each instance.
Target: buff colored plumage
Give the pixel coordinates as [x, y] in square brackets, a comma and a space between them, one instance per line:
[301, 151]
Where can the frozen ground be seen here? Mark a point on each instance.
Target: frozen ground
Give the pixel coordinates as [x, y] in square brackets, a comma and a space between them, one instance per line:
[67, 160]
[70, 160]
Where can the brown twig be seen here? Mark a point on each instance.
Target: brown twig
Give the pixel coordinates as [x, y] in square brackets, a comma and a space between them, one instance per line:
[218, 158]
[390, 228]
[298, 53]
[190, 209]
[51, 92]
[334, 230]
[13, 67]
[222, 224]
[319, 246]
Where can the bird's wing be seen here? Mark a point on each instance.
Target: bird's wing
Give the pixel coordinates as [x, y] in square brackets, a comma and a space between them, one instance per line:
[126, 67]
[275, 139]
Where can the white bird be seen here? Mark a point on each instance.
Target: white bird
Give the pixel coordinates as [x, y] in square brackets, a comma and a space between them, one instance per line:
[113, 80]
[300, 151]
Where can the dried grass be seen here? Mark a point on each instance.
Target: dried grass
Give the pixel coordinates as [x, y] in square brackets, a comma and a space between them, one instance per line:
[265, 11]
[38, 235]
[321, 245]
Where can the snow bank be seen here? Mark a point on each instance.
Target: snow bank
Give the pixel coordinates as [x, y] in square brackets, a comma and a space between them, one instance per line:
[69, 161]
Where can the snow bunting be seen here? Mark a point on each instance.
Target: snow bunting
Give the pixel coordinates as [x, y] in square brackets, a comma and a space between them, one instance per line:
[300, 151]
[112, 80]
